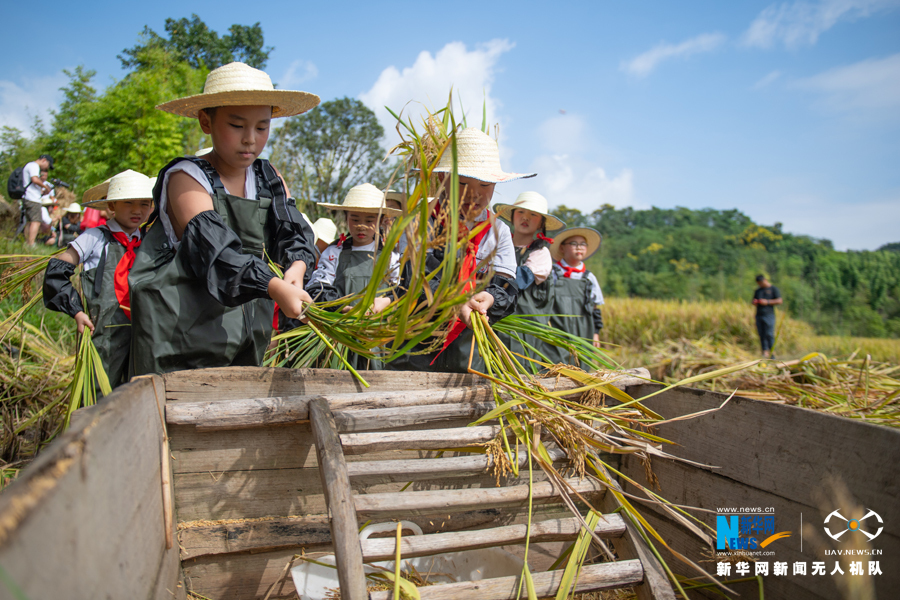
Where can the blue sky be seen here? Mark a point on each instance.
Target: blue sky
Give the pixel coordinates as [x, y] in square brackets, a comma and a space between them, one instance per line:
[788, 111]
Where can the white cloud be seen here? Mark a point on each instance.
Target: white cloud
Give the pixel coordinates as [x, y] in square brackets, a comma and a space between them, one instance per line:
[869, 85]
[801, 23]
[767, 80]
[642, 64]
[567, 174]
[298, 72]
[428, 81]
[35, 97]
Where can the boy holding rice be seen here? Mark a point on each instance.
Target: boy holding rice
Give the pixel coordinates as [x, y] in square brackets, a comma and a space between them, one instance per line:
[106, 253]
[489, 257]
[202, 289]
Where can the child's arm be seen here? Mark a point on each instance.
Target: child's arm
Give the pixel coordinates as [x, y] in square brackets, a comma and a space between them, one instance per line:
[294, 240]
[497, 301]
[59, 293]
[213, 252]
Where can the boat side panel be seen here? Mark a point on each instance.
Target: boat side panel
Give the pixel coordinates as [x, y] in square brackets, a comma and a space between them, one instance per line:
[85, 520]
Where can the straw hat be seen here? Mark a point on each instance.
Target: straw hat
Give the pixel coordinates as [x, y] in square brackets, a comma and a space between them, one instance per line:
[203, 152]
[478, 157]
[237, 84]
[396, 196]
[98, 192]
[127, 185]
[325, 230]
[529, 201]
[364, 198]
[74, 208]
[591, 236]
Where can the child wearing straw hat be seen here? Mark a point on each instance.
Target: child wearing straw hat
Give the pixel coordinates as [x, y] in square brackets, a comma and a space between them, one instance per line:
[489, 257]
[346, 266]
[106, 253]
[70, 225]
[202, 289]
[575, 291]
[530, 218]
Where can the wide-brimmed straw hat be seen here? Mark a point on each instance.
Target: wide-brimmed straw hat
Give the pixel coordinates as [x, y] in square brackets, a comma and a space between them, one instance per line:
[478, 157]
[396, 196]
[127, 185]
[533, 202]
[364, 198]
[74, 208]
[98, 192]
[325, 230]
[591, 236]
[237, 84]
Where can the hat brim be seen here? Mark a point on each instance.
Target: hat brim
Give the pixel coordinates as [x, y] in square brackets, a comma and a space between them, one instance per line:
[105, 201]
[388, 212]
[98, 192]
[485, 176]
[284, 103]
[505, 211]
[593, 239]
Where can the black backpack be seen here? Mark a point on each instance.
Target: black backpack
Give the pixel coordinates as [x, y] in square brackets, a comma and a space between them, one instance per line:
[14, 187]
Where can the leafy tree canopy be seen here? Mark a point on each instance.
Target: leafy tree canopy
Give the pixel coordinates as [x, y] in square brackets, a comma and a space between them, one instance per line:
[192, 41]
[326, 151]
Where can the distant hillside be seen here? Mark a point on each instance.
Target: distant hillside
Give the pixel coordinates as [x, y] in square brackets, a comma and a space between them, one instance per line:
[716, 255]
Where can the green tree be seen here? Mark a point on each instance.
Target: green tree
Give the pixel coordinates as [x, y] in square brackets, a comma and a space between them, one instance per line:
[325, 152]
[68, 142]
[192, 41]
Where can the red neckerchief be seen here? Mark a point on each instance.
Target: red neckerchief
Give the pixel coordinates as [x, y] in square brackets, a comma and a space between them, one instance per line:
[569, 270]
[466, 273]
[541, 236]
[120, 279]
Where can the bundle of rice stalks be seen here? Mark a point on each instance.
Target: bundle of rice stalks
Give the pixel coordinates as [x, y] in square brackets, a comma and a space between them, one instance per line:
[854, 387]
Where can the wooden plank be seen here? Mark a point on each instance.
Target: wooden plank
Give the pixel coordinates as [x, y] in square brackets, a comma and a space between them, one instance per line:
[202, 538]
[259, 412]
[284, 492]
[554, 530]
[426, 439]
[793, 450]
[339, 496]
[429, 468]
[392, 418]
[90, 508]
[591, 578]
[260, 382]
[448, 501]
[655, 584]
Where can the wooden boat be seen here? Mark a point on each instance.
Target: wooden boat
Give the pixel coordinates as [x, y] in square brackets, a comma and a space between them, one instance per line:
[210, 480]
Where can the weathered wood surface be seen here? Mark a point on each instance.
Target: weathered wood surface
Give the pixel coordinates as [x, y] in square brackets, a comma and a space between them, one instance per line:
[553, 530]
[201, 538]
[778, 456]
[449, 501]
[392, 418]
[257, 382]
[339, 497]
[426, 439]
[603, 576]
[382, 471]
[89, 509]
[229, 412]
[286, 492]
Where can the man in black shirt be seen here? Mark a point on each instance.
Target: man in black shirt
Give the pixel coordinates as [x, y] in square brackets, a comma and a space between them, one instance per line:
[766, 297]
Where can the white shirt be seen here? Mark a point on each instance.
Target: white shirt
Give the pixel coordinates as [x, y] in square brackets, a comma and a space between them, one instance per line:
[91, 244]
[326, 270]
[497, 241]
[50, 197]
[596, 293]
[201, 178]
[541, 264]
[32, 190]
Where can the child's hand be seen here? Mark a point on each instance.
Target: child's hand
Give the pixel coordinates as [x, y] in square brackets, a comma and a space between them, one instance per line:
[290, 298]
[597, 340]
[295, 273]
[379, 304]
[82, 321]
[480, 302]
